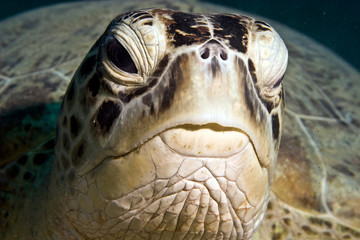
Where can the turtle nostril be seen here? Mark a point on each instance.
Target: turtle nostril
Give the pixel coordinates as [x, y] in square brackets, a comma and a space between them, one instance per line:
[223, 55]
[205, 54]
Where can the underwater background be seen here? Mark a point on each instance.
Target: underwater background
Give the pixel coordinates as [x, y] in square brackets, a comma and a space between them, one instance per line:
[334, 23]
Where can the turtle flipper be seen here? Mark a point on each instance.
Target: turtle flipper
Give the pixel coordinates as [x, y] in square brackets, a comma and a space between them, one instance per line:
[20, 179]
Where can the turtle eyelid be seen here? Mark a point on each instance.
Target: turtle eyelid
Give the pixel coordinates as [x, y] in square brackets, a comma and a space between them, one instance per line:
[120, 57]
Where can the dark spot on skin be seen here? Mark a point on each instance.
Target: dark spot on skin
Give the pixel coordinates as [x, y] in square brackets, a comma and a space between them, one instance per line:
[77, 155]
[320, 222]
[161, 66]
[81, 150]
[282, 95]
[40, 158]
[149, 23]
[152, 109]
[75, 126]
[165, 104]
[12, 172]
[66, 142]
[124, 97]
[268, 104]
[229, 27]
[88, 65]
[185, 29]
[22, 161]
[287, 221]
[215, 67]
[147, 99]
[169, 91]
[275, 126]
[94, 84]
[344, 170]
[249, 94]
[252, 70]
[309, 230]
[139, 91]
[107, 114]
[153, 82]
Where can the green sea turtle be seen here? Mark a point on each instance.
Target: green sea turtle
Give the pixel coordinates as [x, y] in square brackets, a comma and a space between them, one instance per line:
[148, 144]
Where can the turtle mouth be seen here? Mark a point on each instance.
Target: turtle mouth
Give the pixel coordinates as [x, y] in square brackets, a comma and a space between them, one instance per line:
[210, 140]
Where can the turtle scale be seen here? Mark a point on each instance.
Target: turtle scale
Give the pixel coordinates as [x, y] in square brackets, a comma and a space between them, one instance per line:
[320, 136]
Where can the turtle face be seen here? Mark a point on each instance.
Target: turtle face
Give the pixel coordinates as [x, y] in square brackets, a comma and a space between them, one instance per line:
[171, 127]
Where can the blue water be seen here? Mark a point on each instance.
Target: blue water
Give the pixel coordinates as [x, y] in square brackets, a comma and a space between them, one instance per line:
[334, 23]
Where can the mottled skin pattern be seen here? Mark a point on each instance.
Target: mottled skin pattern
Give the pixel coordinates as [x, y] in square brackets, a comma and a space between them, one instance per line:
[315, 193]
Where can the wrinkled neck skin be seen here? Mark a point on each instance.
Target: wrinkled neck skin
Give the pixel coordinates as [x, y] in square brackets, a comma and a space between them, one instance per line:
[57, 224]
[200, 193]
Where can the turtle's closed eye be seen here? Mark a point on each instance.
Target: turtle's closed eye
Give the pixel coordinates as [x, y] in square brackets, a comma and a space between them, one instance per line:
[120, 57]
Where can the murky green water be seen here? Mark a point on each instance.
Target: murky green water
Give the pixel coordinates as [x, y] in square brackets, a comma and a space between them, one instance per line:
[334, 23]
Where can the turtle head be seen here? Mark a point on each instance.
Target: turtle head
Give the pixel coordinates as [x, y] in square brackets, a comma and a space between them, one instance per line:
[171, 125]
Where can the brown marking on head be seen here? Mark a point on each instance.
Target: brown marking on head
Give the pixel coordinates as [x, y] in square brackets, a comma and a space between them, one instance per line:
[187, 29]
[106, 115]
[232, 29]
